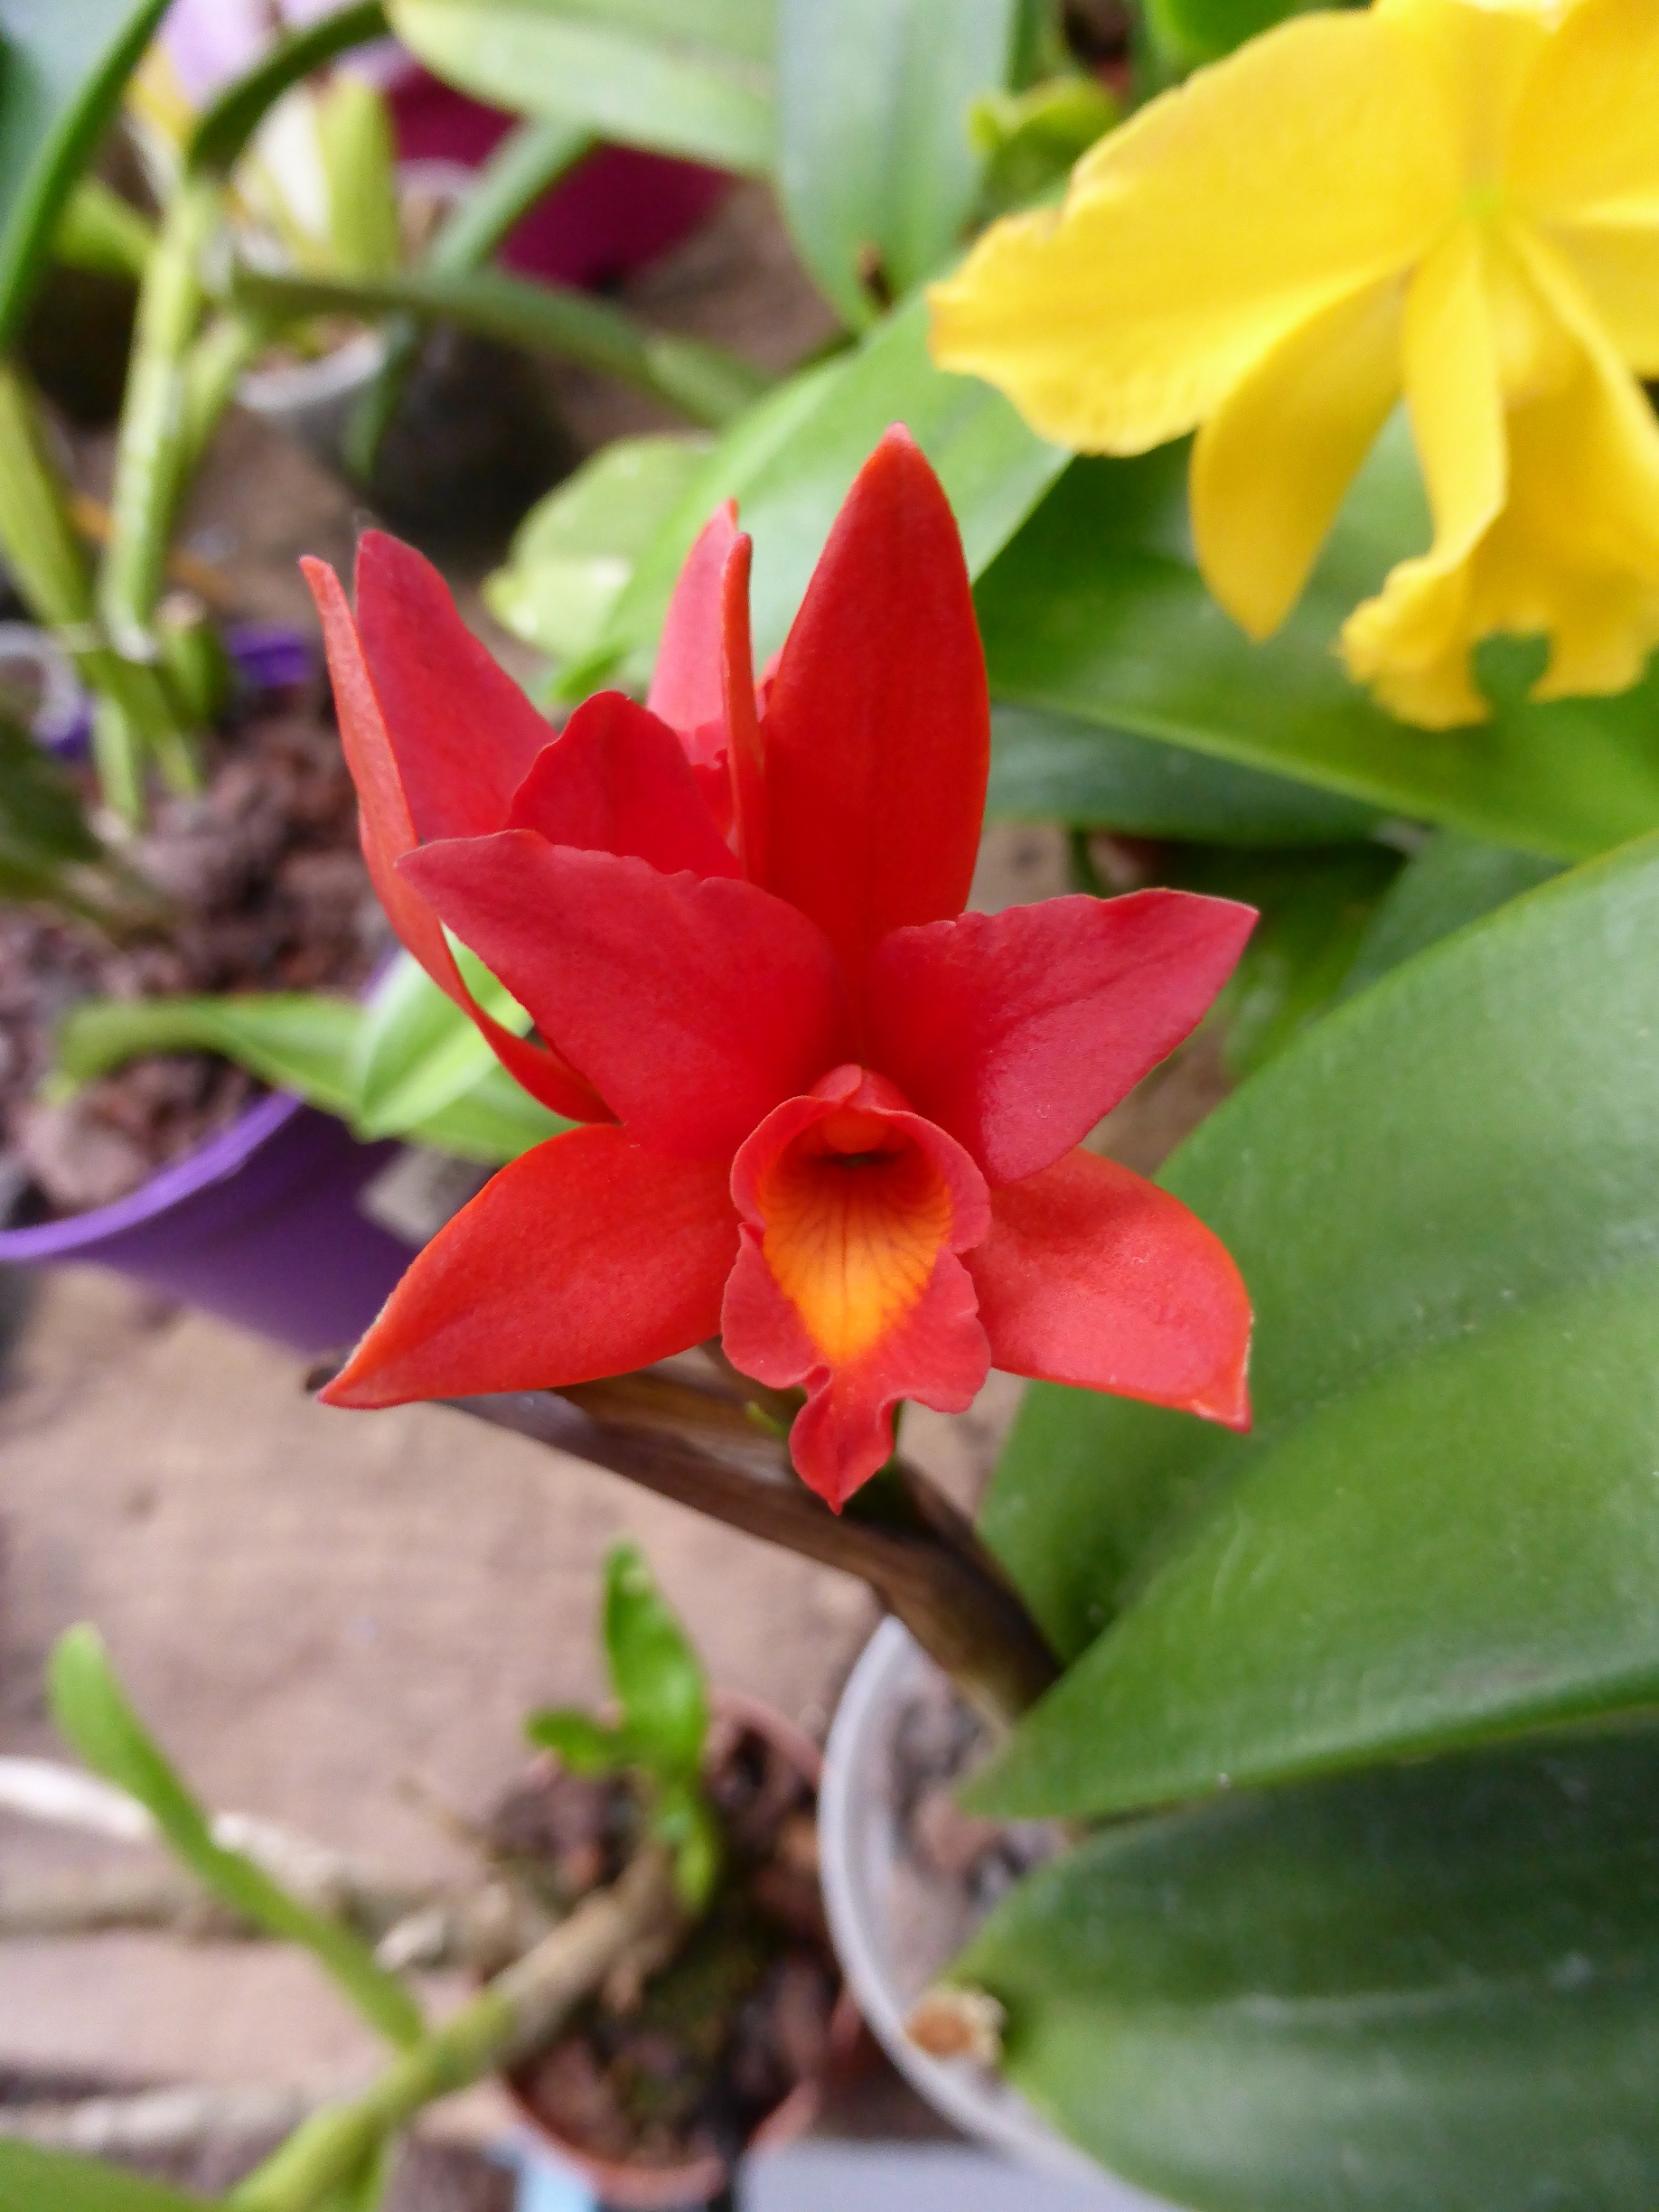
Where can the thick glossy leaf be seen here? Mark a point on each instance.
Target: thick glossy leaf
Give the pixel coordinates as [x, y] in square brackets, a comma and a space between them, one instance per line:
[692, 80]
[1434, 1986]
[36, 2179]
[1444, 1199]
[1454, 880]
[875, 167]
[92, 1711]
[657, 1677]
[575, 551]
[1315, 908]
[1193, 31]
[63, 71]
[1096, 609]
[1047, 765]
[291, 1039]
[792, 464]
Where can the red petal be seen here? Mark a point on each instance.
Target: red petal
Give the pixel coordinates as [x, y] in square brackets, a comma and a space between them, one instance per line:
[1092, 1276]
[854, 1210]
[1018, 1031]
[687, 689]
[616, 780]
[693, 1006]
[877, 732]
[464, 733]
[387, 835]
[587, 1257]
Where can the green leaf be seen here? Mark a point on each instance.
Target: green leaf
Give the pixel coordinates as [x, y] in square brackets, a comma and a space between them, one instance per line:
[657, 1677]
[415, 1052]
[92, 1713]
[1454, 880]
[223, 129]
[1097, 611]
[36, 2179]
[1445, 1202]
[1046, 766]
[1432, 1986]
[41, 814]
[101, 231]
[657, 73]
[575, 551]
[707, 385]
[63, 71]
[1315, 907]
[876, 168]
[492, 1123]
[359, 162]
[292, 1039]
[683, 1819]
[582, 1743]
[1193, 31]
[791, 463]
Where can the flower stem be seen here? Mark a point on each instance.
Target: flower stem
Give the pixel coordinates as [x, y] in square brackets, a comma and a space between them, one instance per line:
[518, 2012]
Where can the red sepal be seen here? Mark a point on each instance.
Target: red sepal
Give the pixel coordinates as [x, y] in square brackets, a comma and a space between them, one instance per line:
[388, 834]
[464, 733]
[587, 1257]
[1018, 1031]
[687, 684]
[878, 731]
[693, 1005]
[1095, 1277]
[817, 1263]
[616, 780]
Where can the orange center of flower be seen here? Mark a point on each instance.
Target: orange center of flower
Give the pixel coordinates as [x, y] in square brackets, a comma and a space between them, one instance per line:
[855, 1215]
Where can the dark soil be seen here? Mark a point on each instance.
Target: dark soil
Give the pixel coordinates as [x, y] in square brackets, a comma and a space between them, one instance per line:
[266, 890]
[690, 2064]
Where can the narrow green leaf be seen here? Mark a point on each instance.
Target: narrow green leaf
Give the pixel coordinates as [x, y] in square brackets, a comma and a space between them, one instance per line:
[1445, 1202]
[223, 129]
[63, 71]
[36, 2179]
[41, 814]
[657, 1677]
[575, 551]
[791, 464]
[1424, 1986]
[1452, 882]
[360, 163]
[93, 1714]
[1097, 611]
[101, 231]
[415, 1051]
[708, 384]
[1047, 765]
[875, 167]
[492, 1123]
[582, 1743]
[291, 1039]
[696, 81]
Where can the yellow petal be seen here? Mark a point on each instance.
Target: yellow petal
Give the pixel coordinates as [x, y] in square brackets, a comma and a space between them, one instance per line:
[1585, 146]
[1619, 269]
[1316, 159]
[1485, 57]
[1410, 643]
[1270, 465]
[1572, 555]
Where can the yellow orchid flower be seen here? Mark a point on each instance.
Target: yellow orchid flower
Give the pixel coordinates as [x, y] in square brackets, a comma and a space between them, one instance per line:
[1451, 199]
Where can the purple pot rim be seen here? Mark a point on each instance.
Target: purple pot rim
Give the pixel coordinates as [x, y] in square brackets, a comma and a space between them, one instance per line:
[210, 1162]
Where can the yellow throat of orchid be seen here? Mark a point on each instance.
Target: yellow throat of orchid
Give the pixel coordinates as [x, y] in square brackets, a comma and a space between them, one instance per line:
[1453, 202]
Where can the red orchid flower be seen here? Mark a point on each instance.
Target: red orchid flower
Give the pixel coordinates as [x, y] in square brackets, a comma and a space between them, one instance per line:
[842, 1116]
